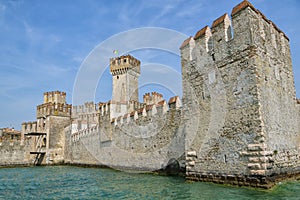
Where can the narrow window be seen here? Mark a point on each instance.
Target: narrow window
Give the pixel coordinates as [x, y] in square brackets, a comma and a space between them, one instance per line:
[210, 44]
[229, 33]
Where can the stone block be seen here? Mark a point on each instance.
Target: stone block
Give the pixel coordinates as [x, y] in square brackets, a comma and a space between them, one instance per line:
[263, 159]
[256, 147]
[266, 166]
[254, 159]
[191, 163]
[254, 166]
[253, 182]
[253, 153]
[188, 168]
[192, 153]
[258, 172]
[266, 153]
[189, 159]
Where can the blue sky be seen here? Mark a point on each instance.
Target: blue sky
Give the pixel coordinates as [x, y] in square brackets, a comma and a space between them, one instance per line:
[44, 43]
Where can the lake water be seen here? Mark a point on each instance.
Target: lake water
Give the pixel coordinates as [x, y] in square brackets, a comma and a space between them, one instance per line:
[66, 182]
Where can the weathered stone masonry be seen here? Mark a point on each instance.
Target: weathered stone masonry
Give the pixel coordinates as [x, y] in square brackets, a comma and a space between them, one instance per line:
[143, 140]
[243, 87]
[237, 123]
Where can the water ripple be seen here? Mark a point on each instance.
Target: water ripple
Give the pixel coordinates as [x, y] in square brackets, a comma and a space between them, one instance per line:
[65, 182]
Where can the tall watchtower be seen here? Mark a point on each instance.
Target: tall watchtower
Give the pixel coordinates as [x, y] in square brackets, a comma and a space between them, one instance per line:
[125, 71]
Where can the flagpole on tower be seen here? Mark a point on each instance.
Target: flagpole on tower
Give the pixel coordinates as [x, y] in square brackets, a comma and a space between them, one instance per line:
[116, 52]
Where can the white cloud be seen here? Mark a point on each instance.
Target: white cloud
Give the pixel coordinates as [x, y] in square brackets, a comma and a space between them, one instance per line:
[129, 13]
[162, 13]
[190, 11]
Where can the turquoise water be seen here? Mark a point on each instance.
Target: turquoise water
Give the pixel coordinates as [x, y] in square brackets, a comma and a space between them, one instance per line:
[65, 182]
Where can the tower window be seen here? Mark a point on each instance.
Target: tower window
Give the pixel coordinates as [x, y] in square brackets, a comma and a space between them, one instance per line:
[210, 44]
[229, 33]
[117, 77]
[125, 60]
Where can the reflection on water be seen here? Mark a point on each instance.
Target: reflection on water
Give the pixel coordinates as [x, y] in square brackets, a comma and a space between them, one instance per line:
[65, 182]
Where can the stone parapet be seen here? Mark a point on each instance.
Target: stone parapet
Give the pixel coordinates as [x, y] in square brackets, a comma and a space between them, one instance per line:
[149, 111]
[218, 42]
[55, 97]
[122, 64]
[84, 133]
[57, 109]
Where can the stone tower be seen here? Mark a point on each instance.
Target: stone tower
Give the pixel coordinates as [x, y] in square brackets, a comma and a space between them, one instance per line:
[239, 99]
[52, 117]
[125, 71]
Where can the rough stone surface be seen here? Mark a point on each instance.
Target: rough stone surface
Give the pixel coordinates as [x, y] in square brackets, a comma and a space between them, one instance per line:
[242, 89]
[145, 143]
[238, 122]
[15, 153]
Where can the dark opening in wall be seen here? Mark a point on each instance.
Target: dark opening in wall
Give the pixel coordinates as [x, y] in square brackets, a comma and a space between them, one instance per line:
[229, 33]
[210, 44]
[213, 56]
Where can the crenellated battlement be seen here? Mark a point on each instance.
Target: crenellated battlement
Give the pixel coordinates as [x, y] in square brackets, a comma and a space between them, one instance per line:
[28, 127]
[148, 111]
[54, 104]
[243, 5]
[86, 108]
[121, 65]
[104, 108]
[76, 136]
[248, 27]
[56, 109]
[159, 110]
[55, 97]
[152, 98]
[84, 116]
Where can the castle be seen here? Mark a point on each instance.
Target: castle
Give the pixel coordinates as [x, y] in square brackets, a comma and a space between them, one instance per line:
[237, 122]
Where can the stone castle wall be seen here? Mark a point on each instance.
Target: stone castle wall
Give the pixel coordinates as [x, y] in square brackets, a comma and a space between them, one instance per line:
[280, 127]
[84, 116]
[239, 122]
[140, 141]
[15, 152]
[241, 90]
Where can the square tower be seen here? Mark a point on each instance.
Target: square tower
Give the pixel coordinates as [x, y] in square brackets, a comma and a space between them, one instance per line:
[240, 102]
[125, 71]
